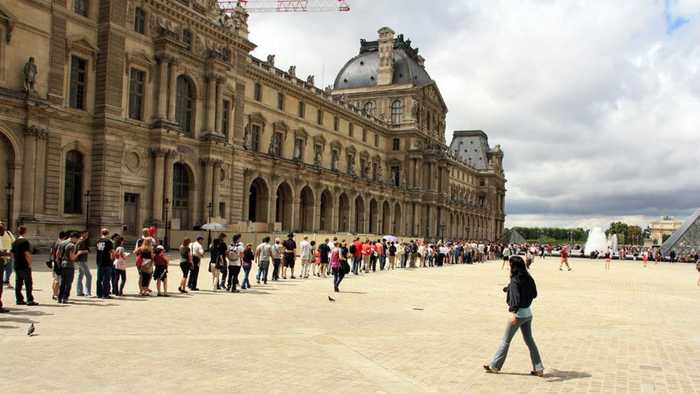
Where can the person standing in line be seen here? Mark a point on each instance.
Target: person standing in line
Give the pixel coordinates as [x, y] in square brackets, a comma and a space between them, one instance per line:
[608, 257]
[262, 259]
[248, 257]
[306, 257]
[366, 253]
[373, 256]
[316, 259]
[215, 264]
[421, 255]
[223, 266]
[69, 255]
[356, 253]
[104, 248]
[380, 250]
[160, 273]
[289, 256]
[120, 256]
[520, 293]
[186, 263]
[337, 268]
[83, 267]
[56, 265]
[235, 252]
[276, 254]
[324, 251]
[145, 265]
[22, 256]
[392, 256]
[382, 255]
[197, 252]
[6, 240]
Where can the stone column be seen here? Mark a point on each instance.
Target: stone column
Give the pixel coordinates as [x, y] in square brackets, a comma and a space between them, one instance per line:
[40, 171]
[296, 214]
[220, 105]
[208, 165]
[162, 108]
[351, 215]
[216, 198]
[172, 91]
[158, 174]
[168, 174]
[29, 172]
[211, 102]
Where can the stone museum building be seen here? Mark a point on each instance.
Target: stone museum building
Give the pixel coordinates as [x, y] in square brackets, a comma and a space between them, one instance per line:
[125, 113]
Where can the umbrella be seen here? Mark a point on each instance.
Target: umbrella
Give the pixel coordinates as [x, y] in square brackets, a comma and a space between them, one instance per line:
[391, 238]
[213, 227]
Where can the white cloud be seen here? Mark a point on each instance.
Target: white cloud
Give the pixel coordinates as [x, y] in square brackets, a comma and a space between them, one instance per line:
[594, 103]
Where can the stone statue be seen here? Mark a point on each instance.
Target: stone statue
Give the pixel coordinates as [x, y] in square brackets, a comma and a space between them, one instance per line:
[30, 72]
[271, 60]
[310, 80]
[328, 89]
[317, 154]
[414, 109]
[292, 71]
[275, 144]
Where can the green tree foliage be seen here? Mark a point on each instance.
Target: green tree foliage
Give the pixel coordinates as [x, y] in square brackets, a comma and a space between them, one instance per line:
[634, 235]
[617, 228]
[552, 234]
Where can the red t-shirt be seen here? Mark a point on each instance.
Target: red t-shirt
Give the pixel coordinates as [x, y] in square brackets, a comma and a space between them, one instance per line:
[366, 249]
[358, 249]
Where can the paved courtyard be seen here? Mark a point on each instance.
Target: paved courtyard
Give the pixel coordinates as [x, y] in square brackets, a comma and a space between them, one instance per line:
[627, 330]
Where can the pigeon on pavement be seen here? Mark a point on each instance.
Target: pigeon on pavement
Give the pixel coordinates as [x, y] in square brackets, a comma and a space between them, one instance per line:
[30, 330]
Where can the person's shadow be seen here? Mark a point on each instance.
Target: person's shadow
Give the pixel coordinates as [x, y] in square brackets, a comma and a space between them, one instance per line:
[555, 375]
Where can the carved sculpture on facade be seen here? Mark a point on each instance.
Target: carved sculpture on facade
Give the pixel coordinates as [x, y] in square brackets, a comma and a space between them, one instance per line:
[292, 71]
[310, 80]
[318, 148]
[275, 144]
[30, 72]
[271, 60]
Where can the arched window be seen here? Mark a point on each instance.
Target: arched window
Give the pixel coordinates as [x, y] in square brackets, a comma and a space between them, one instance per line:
[370, 108]
[396, 112]
[181, 194]
[73, 185]
[184, 109]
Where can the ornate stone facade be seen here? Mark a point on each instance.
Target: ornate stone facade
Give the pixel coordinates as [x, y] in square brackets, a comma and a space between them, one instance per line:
[150, 111]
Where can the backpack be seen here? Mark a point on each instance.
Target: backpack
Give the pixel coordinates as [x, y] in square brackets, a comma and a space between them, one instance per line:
[352, 249]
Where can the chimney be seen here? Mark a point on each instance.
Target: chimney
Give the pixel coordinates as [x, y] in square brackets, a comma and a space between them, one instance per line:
[386, 56]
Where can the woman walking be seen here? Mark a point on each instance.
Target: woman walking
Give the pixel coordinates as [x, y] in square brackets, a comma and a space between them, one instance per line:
[215, 264]
[337, 268]
[186, 264]
[519, 295]
[235, 252]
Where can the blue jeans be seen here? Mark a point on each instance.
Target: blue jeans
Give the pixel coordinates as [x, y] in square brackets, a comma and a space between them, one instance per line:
[525, 325]
[263, 266]
[338, 276]
[246, 273]
[7, 270]
[83, 271]
[104, 278]
[67, 275]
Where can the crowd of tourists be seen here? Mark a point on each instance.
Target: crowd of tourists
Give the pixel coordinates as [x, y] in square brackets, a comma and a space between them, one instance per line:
[229, 266]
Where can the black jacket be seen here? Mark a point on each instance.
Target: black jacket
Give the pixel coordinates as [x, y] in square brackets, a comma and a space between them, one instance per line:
[520, 292]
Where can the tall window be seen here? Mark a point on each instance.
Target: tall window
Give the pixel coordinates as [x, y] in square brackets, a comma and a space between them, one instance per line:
[364, 135]
[184, 108]
[187, 39]
[280, 101]
[351, 164]
[253, 143]
[73, 187]
[319, 117]
[370, 107]
[78, 82]
[395, 144]
[181, 186]
[257, 91]
[396, 175]
[336, 123]
[376, 140]
[351, 129]
[302, 109]
[137, 79]
[81, 7]
[140, 20]
[363, 168]
[396, 112]
[375, 171]
[225, 117]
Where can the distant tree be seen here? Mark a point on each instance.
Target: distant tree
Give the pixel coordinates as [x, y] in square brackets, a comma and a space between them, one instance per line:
[617, 228]
[634, 235]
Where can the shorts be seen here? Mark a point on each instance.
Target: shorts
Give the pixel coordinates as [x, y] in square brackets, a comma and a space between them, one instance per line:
[289, 260]
[185, 267]
[160, 272]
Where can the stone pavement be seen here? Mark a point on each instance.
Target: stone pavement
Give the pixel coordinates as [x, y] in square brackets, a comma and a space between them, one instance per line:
[628, 330]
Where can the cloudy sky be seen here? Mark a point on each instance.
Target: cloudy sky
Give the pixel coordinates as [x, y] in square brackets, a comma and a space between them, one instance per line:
[595, 103]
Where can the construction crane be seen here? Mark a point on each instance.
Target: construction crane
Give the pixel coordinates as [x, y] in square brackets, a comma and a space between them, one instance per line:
[287, 5]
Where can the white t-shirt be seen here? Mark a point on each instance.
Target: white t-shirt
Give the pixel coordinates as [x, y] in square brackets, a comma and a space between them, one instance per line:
[305, 250]
[263, 251]
[197, 249]
[234, 254]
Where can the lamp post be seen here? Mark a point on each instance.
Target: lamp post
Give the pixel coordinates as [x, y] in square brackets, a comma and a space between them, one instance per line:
[166, 238]
[9, 192]
[87, 210]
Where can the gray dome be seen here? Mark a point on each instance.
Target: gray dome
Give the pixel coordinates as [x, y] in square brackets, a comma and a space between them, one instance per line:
[361, 71]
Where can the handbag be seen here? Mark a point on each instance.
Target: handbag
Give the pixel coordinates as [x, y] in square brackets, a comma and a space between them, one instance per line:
[345, 267]
[147, 266]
